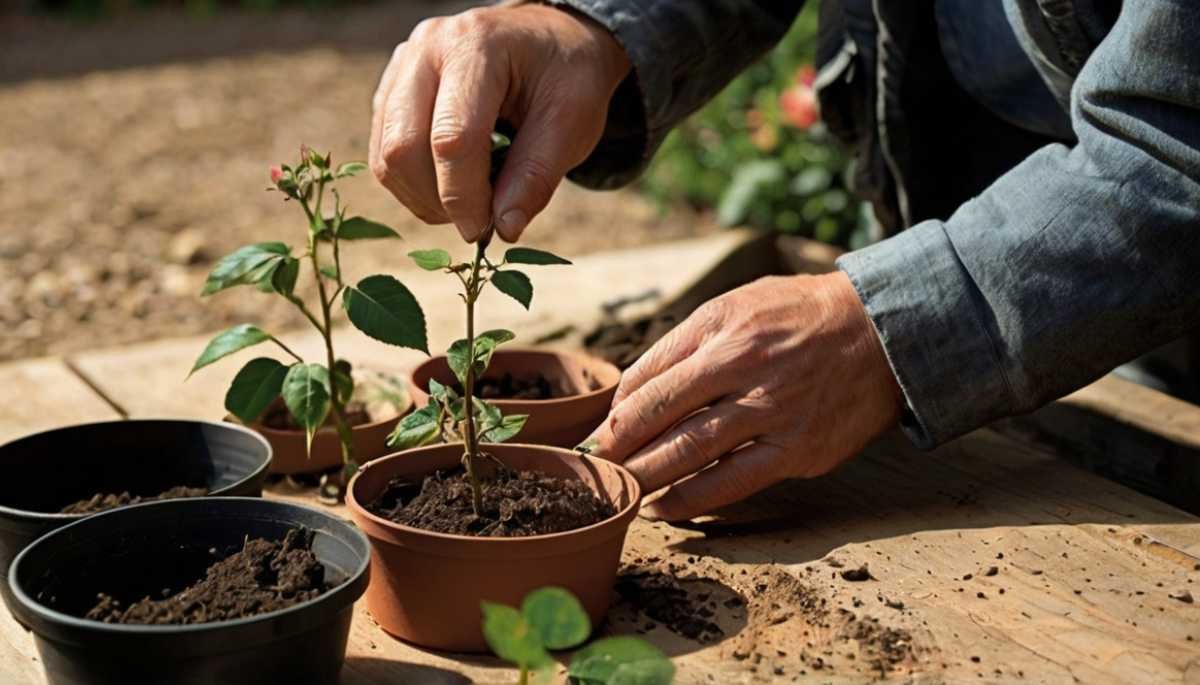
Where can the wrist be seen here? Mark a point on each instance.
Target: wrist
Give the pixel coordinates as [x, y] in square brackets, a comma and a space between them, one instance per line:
[863, 344]
[605, 46]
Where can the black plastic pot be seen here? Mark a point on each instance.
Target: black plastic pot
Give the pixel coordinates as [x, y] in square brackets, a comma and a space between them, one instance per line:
[46, 471]
[134, 551]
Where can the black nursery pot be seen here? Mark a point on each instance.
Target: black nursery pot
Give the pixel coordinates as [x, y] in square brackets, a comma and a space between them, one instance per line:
[46, 471]
[135, 551]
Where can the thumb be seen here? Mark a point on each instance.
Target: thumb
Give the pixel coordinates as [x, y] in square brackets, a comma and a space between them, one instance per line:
[546, 147]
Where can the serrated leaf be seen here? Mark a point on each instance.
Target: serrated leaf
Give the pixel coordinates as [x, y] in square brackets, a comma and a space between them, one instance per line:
[283, 280]
[511, 637]
[528, 255]
[358, 228]
[229, 341]
[417, 429]
[236, 267]
[514, 284]
[307, 396]
[384, 309]
[601, 661]
[254, 388]
[557, 616]
[508, 428]
[431, 260]
[351, 169]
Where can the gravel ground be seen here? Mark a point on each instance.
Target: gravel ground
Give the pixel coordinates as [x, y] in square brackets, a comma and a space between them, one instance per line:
[120, 186]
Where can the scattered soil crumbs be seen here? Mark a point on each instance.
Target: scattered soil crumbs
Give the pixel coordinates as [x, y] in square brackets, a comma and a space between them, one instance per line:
[622, 343]
[264, 576]
[278, 417]
[105, 501]
[661, 598]
[510, 387]
[515, 504]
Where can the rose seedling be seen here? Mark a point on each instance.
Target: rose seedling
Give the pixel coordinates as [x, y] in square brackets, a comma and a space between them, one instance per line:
[552, 619]
[380, 306]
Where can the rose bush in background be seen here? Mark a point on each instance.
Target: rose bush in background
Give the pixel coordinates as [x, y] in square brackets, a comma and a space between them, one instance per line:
[759, 156]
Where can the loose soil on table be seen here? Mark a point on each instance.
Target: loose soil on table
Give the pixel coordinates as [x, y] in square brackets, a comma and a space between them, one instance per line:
[266, 575]
[510, 387]
[515, 504]
[105, 501]
[278, 417]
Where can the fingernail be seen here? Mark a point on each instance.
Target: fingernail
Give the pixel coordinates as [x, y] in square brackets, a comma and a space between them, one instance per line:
[470, 231]
[511, 224]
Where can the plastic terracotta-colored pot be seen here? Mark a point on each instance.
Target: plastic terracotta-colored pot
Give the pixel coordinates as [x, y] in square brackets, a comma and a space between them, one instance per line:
[562, 421]
[370, 442]
[426, 587]
[135, 551]
[46, 471]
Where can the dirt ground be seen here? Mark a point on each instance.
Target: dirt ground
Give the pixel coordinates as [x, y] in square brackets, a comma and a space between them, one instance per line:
[134, 153]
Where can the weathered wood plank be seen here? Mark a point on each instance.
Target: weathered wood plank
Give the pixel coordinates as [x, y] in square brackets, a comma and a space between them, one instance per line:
[44, 393]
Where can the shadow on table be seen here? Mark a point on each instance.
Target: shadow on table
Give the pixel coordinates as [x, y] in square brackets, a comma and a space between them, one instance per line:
[364, 670]
[982, 480]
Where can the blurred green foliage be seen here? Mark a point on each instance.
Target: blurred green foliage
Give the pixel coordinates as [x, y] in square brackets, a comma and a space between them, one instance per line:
[758, 156]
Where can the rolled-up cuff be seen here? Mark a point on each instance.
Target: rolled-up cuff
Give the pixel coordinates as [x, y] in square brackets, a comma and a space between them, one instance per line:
[934, 325]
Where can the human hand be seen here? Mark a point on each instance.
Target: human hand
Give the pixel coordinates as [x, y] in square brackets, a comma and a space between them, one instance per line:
[549, 72]
[781, 378]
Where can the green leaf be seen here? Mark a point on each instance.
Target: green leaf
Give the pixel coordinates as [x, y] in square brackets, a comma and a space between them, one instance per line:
[431, 260]
[602, 661]
[283, 280]
[750, 180]
[508, 428]
[384, 309]
[318, 227]
[417, 429]
[254, 387]
[511, 637]
[459, 359]
[514, 284]
[306, 393]
[229, 341]
[488, 414]
[343, 380]
[351, 169]
[557, 616]
[528, 255]
[358, 228]
[237, 267]
[329, 271]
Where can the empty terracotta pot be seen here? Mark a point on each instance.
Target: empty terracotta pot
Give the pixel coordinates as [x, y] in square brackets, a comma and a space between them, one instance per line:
[426, 587]
[563, 421]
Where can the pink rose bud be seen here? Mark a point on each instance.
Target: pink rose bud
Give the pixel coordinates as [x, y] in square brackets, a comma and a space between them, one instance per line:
[276, 175]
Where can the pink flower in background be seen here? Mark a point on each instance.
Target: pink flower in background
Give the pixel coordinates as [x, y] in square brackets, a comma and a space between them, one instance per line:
[276, 175]
[799, 102]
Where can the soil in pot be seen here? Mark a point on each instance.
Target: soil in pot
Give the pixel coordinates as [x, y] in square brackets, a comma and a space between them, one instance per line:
[278, 417]
[102, 501]
[510, 387]
[263, 576]
[515, 504]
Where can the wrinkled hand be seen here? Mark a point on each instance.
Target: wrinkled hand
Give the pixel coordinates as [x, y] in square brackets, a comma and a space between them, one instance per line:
[781, 378]
[549, 72]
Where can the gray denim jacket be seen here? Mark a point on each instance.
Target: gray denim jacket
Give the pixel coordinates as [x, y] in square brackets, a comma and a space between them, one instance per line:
[1043, 246]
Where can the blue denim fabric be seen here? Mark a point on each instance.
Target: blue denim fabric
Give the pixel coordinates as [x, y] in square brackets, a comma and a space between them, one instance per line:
[1080, 258]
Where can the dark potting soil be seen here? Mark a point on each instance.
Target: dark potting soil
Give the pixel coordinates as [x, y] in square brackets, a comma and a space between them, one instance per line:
[266, 575]
[278, 417]
[515, 504]
[623, 343]
[510, 387]
[104, 501]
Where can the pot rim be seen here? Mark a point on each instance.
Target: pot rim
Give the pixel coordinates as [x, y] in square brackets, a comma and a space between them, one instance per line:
[627, 513]
[52, 616]
[295, 432]
[553, 401]
[47, 516]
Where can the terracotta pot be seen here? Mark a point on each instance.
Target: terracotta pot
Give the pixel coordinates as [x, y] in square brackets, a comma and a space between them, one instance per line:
[563, 421]
[426, 587]
[370, 442]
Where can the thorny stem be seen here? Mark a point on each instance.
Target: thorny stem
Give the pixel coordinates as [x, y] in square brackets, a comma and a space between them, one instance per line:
[470, 438]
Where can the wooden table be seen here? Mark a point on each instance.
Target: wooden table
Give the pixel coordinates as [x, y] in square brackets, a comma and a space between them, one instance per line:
[992, 559]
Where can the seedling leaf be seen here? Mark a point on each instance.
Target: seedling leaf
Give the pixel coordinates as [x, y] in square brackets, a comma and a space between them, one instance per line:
[514, 284]
[621, 660]
[417, 429]
[557, 616]
[647, 672]
[343, 380]
[358, 228]
[528, 255]
[511, 637]
[384, 309]
[254, 388]
[431, 260]
[508, 428]
[283, 280]
[350, 169]
[306, 393]
[229, 341]
[241, 266]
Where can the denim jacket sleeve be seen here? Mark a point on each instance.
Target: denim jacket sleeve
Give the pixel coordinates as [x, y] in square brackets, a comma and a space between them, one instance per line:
[1077, 260]
[683, 53]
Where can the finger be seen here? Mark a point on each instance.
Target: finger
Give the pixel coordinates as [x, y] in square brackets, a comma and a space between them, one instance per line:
[678, 344]
[692, 445]
[552, 140]
[468, 104]
[656, 406]
[735, 477]
[405, 162]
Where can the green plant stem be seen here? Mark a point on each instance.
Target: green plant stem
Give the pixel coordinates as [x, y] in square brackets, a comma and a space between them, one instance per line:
[524, 677]
[287, 349]
[470, 438]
